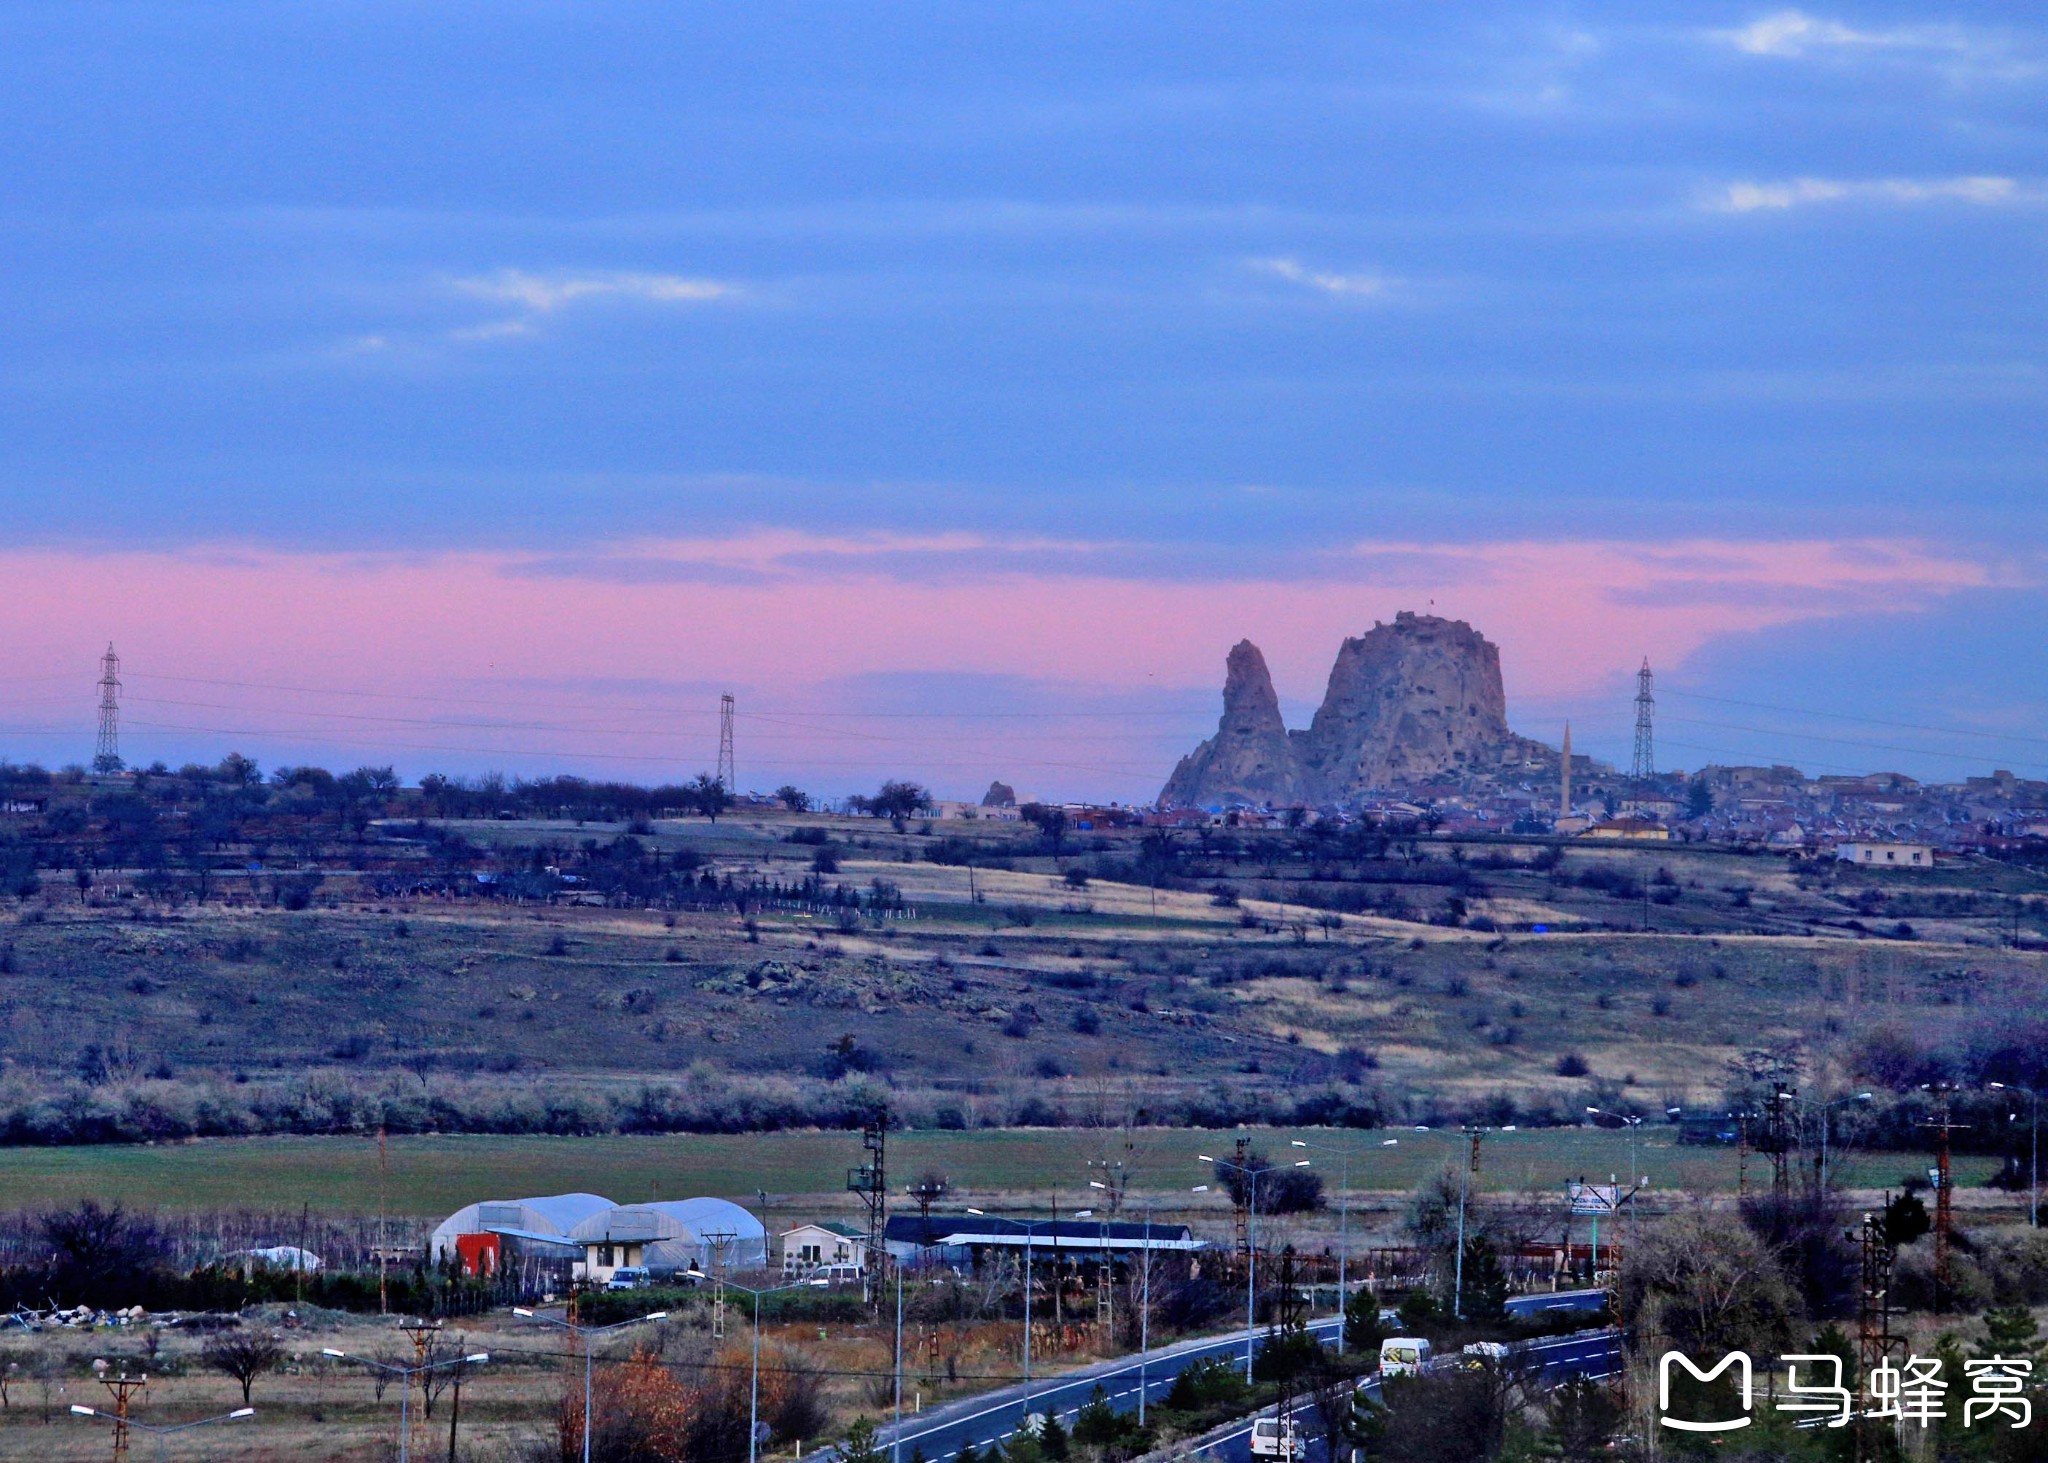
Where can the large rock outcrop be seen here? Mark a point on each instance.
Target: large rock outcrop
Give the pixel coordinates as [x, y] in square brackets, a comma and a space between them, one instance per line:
[1251, 760]
[1406, 702]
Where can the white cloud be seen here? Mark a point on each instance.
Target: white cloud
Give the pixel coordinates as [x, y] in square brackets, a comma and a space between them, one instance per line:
[1964, 53]
[1353, 286]
[1749, 197]
[1794, 33]
[492, 330]
[546, 293]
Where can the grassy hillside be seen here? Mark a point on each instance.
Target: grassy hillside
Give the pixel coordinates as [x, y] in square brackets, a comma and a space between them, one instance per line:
[1120, 973]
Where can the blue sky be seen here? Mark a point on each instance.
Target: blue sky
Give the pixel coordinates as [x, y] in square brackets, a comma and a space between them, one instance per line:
[1109, 304]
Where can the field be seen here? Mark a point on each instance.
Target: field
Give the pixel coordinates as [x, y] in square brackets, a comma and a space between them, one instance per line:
[802, 1173]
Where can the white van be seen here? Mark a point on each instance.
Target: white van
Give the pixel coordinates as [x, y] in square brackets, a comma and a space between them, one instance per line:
[1278, 1437]
[1404, 1356]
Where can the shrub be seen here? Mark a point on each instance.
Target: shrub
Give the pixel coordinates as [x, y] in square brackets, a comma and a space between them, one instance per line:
[1571, 1064]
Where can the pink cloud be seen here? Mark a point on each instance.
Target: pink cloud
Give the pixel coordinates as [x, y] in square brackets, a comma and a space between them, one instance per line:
[807, 610]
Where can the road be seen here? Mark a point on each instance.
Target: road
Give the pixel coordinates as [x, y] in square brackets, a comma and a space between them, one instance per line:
[943, 1431]
[1584, 1353]
[1526, 1306]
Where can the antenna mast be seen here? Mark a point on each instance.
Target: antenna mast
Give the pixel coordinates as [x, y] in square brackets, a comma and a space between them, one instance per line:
[107, 755]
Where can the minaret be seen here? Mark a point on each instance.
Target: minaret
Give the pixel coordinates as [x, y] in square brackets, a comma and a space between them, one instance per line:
[1564, 807]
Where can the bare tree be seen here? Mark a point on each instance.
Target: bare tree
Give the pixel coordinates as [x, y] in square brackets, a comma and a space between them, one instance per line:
[243, 1355]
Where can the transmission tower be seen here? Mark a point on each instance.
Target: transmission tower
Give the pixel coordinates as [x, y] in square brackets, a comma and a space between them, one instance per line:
[1645, 765]
[107, 756]
[727, 777]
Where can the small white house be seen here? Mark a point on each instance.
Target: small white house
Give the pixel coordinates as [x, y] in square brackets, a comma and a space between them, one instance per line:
[1886, 855]
[812, 1247]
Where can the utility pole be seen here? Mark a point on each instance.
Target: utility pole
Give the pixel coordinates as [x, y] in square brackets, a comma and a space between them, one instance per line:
[727, 777]
[107, 758]
[422, 1334]
[123, 1387]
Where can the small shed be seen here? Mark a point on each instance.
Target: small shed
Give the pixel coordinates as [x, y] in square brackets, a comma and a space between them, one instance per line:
[811, 1247]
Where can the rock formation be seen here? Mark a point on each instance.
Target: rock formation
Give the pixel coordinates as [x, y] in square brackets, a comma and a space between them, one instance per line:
[1406, 702]
[1251, 759]
[999, 795]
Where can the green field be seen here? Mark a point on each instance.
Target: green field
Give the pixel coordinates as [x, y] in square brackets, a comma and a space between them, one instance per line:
[431, 1176]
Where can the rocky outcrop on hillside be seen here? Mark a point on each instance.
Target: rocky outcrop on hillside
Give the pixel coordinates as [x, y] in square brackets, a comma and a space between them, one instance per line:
[1406, 702]
[1251, 759]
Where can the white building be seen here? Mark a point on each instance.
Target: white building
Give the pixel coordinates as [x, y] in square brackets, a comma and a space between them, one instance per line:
[812, 1247]
[1886, 855]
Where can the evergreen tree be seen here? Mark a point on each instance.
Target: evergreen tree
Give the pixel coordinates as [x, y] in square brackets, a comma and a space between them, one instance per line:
[1363, 1329]
[1052, 1439]
[860, 1445]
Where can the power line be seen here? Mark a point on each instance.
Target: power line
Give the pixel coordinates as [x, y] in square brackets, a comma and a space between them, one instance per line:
[1836, 741]
[1952, 731]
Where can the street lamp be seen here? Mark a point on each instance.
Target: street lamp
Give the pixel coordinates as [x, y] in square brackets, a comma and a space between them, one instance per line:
[2034, 1158]
[159, 1431]
[1030, 1233]
[583, 1335]
[754, 1395]
[1343, 1216]
[1464, 1190]
[1251, 1246]
[1144, 1298]
[405, 1374]
[1827, 1108]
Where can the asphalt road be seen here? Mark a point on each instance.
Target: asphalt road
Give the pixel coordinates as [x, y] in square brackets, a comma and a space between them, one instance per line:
[1563, 1300]
[1583, 1353]
[943, 1431]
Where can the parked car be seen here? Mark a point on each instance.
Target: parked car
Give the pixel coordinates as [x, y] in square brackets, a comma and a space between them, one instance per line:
[629, 1277]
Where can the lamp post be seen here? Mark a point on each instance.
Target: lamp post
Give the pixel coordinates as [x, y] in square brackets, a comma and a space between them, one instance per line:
[1464, 1192]
[754, 1393]
[160, 1431]
[584, 1336]
[1343, 1216]
[1030, 1233]
[1251, 1245]
[2034, 1155]
[1826, 1110]
[405, 1374]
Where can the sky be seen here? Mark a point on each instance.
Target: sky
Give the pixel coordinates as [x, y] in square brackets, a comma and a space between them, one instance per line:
[492, 386]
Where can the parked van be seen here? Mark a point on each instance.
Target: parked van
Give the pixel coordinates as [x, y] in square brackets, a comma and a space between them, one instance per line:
[1278, 1437]
[629, 1277]
[1404, 1356]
